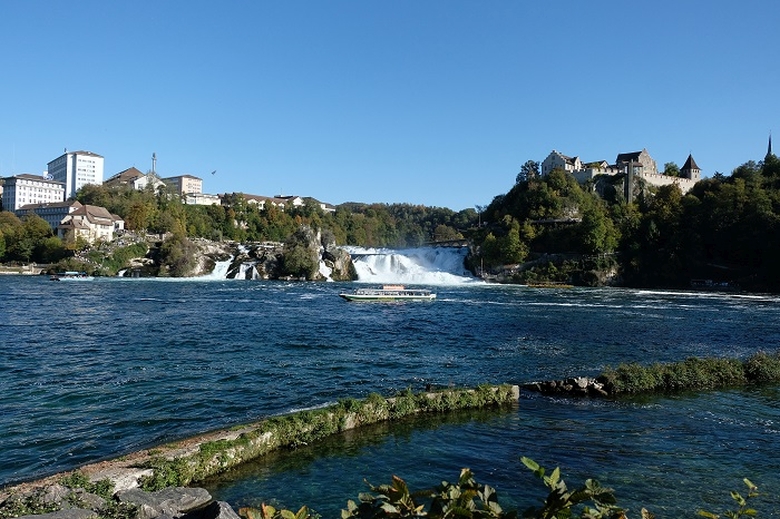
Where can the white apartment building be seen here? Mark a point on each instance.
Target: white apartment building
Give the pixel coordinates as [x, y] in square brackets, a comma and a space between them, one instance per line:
[76, 169]
[201, 199]
[26, 189]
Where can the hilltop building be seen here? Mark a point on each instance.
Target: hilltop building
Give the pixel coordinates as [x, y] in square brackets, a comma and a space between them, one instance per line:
[185, 184]
[633, 166]
[26, 189]
[133, 177]
[76, 169]
[201, 199]
[91, 223]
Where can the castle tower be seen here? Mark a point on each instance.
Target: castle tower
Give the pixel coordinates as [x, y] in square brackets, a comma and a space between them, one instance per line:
[691, 170]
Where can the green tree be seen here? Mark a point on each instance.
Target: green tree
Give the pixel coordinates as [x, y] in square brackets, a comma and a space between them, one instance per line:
[512, 249]
[301, 258]
[671, 169]
[490, 251]
[51, 250]
[177, 256]
[529, 170]
[598, 231]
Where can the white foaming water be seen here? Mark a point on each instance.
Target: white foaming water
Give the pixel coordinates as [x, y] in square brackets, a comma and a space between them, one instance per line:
[220, 271]
[422, 265]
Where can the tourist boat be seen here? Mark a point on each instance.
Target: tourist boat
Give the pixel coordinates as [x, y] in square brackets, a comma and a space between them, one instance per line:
[389, 293]
[71, 275]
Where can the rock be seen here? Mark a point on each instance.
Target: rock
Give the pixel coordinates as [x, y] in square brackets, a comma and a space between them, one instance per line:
[216, 510]
[581, 382]
[71, 513]
[123, 478]
[87, 500]
[55, 494]
[577, 386]
[174, 501]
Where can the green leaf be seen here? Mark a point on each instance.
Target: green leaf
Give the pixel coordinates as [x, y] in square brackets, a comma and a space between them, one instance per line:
[531, 464]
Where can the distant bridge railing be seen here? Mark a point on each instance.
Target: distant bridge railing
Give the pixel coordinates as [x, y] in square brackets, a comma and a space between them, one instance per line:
[448, 243]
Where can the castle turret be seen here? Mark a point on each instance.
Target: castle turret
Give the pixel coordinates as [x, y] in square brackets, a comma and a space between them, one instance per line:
[690, 169]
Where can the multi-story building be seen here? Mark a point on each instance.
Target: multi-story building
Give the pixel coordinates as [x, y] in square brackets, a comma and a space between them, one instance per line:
[185, 184]
[76, 169]
[201, 199]
[25, 189]
[53, 213]
[91, 223]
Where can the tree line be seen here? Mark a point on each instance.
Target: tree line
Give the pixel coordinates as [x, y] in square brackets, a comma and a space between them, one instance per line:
[725, 229]
[158, 212]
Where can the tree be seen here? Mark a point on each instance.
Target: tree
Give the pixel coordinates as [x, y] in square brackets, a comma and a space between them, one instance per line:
[598, 231]
[490, 251]
[513, 250]
[528, 171]
[300, 258]
[177, 256]
[671, 169]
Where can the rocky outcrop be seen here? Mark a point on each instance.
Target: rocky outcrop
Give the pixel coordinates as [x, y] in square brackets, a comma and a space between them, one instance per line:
[336, 259]
[266, 260]
[253, 260]
[577, 386]
[77, 503]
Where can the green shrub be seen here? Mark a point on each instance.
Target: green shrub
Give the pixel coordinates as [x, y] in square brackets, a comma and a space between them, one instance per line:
[763, 367]
[691, 374]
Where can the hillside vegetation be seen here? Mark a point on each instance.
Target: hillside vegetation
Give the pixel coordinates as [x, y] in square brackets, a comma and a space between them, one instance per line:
[725, 230]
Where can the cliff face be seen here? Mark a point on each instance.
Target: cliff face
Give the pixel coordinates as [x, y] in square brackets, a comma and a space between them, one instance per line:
[336, 259]
[575, 269]
[256, 260]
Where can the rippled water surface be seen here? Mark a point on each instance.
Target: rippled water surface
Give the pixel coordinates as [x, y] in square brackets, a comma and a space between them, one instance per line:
[93, 370]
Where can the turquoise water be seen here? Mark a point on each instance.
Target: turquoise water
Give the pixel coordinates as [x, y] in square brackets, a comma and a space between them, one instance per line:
[94, 370]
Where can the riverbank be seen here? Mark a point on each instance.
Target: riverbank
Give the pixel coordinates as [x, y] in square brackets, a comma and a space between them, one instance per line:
[22, 270]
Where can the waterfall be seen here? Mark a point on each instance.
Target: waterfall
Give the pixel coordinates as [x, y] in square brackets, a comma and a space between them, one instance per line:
[422, 265]
[247, 270]
[220, 270]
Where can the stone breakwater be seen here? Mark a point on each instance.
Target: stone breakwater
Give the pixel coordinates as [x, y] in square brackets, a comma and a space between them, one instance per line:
[178, 464]
[576, 386]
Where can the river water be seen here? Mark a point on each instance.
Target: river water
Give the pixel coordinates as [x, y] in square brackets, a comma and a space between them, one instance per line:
[94, 370]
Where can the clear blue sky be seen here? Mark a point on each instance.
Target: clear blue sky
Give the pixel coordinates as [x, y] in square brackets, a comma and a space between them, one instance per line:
[426, 102]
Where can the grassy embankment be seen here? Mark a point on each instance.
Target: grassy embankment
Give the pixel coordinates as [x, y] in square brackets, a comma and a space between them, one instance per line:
[304, 427]
[692, 374]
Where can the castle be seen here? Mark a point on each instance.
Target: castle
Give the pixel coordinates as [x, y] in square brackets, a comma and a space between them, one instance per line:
[634, 166]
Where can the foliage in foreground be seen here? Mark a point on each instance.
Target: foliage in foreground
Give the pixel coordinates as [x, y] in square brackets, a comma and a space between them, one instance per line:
[692, 374]
[464, 499]
[467, 499]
